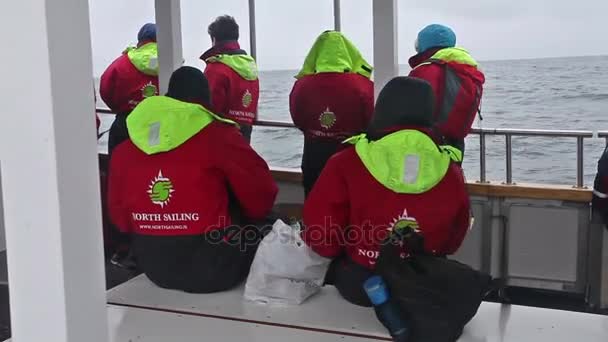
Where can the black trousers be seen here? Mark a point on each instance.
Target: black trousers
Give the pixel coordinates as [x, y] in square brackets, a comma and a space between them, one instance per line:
[348, 277]
[246, 132]
[118, 132]
[196, 264]
[314, 157]
[118, 241]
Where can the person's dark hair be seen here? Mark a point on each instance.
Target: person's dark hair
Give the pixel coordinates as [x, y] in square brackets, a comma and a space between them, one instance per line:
[224, 28]
[189, 84]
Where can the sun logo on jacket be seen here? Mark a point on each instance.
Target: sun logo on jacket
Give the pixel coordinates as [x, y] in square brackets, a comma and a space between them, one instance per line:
[327, 119]
[247, 99]
[149, 90]
[160, 190]
[403, 222]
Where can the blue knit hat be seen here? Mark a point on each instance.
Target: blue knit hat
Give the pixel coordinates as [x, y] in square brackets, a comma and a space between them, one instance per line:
[147, 33]
[435, 36]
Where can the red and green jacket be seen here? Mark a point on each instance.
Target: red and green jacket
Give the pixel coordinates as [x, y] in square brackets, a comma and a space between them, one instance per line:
[180, 168]
[366, 190]
[333, 97]
[458, 87]
[234, 83]
[131, 78]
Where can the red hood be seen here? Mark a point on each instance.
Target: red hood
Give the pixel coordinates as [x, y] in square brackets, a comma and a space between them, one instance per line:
[220, 48]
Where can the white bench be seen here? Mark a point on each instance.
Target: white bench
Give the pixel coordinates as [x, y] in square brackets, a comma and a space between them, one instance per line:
[150, 310]
[139, 325]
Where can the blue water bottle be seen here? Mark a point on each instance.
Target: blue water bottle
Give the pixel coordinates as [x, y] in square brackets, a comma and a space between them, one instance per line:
[387, 311]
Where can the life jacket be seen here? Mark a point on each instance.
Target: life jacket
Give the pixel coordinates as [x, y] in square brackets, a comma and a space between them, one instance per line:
[333, 97]
[131, 78]
[460, 93]
[365, 191]
[238, 101]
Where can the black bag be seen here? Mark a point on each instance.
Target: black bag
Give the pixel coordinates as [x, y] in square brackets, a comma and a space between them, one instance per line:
[438, 295]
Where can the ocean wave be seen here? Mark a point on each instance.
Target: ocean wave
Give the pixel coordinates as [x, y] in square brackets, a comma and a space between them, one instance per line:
[589, 97]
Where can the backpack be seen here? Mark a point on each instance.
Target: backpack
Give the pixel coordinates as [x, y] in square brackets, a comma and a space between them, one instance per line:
[439, 296]
[460, 102]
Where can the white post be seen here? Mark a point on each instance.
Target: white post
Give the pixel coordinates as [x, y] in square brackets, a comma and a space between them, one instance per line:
[2, 240]
[169, 38]
[386, 53]
[252, 32]
[50, 174]
[337, 16]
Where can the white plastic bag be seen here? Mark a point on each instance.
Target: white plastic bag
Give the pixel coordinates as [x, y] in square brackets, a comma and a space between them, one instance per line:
[285, 270]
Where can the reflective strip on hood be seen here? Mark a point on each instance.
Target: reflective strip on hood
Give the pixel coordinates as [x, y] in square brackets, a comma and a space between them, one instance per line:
[160, 124]
[145, 58]
[407, 161]
[333, 52]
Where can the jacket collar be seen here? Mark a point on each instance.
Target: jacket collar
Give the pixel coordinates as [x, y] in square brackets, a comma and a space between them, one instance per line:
[422, 57]
[230, 47]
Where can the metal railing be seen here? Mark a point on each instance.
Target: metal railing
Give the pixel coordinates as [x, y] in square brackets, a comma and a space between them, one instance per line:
[507, 133]
[603, 134]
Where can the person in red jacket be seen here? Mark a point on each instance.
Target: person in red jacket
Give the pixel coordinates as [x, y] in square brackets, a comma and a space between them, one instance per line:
[131, 78]
[232, 75]
[455, 78]
[175, 184]
[332, 99]
[394, 176]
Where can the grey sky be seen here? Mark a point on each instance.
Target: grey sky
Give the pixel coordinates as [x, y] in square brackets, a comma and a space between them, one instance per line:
[490, 29]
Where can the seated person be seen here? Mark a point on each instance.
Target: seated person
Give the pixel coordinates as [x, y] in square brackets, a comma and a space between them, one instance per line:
[333, 99]
[393, 176]
[173, 185]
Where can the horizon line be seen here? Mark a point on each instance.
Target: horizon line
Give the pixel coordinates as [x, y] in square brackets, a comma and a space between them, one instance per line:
[492, 60]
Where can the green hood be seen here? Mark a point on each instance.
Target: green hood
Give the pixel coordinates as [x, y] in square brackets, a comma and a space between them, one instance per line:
[457, 55]
[145, 58]
[160, 124]
[244, 65]
[407, 161]
[333, 52]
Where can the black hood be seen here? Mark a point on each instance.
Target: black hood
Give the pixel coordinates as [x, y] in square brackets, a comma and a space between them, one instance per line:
[189, 84]
[404, 101]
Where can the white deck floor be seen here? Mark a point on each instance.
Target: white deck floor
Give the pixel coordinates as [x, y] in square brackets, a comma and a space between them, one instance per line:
[226, 316]
[137, 325]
